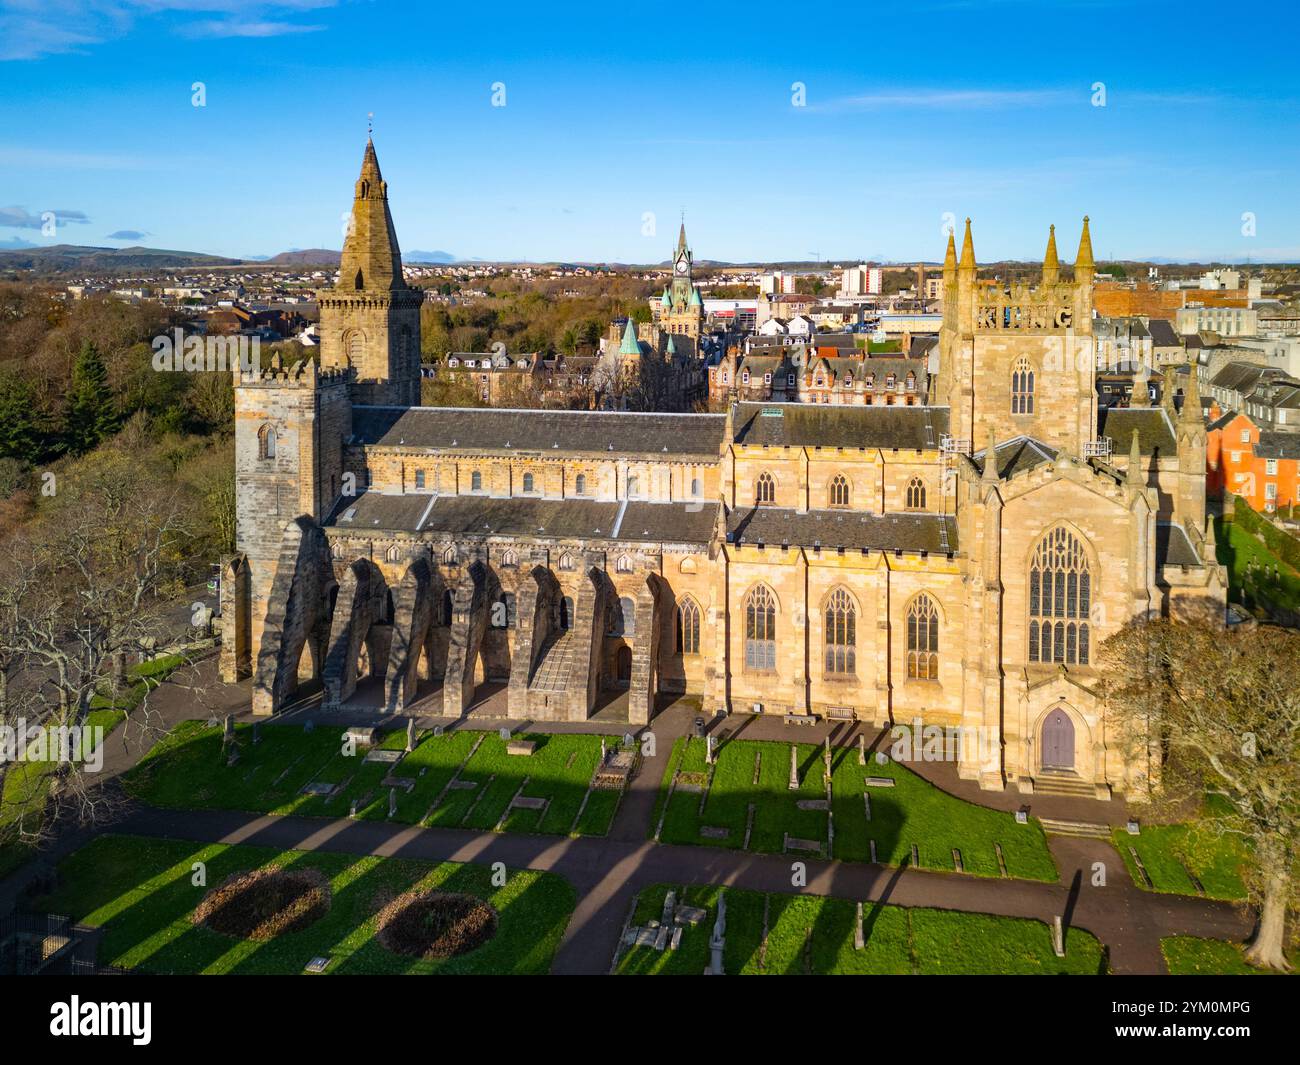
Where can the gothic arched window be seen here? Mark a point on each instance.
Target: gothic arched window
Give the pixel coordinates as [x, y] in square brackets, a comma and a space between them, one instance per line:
[839, 491]
[476, 481]
[528, 483]
[1060, 600]
[266, 442]
[765, 491]
[841, 633]
[760, 629]
[923, 639]
[1022, 388]
[580, 484]
[688, 627]
[916, 494]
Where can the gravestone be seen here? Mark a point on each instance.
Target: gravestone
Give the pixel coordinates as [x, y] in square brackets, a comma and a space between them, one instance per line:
[521, 747]
[1133, 828]
[708, 750]
[859, 939]
[862, 749]
[1022, 816]
[318, 964]
[363, 735]
[794, 768]
[410, 735]
[352, 808]
[1058, 937]
[257, 732]
[718, 940]
[392, 802]
[826, 758]
[602, 750]
[228, 729]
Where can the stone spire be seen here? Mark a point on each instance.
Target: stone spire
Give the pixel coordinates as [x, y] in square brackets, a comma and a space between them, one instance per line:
[1167, 389]
[1191, 412]
[1051, 264]
[967, 251]
[950, 260]
[1083, 261]
[681, 237]
[371, 258]
[1133, 475]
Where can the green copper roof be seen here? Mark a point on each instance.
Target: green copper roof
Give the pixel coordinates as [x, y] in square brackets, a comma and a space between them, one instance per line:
[667, 301]
[672, 348]
[630, 345]
[695, 298]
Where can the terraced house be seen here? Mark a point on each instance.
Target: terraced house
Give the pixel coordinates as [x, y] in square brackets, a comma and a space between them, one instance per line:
[959, 560]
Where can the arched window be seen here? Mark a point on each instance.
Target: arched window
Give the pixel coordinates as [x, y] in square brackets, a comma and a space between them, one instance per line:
[839, 491]
[580, 485]
[841, 633]
[355, 343]
[624, 564]
[266, 442]
[765, 491]
[528, 482]
[1060, 599]
[1022, 388]
[916, 494]
[633, 486]
[394, 553]
[449, 557]
[476, 481]
[688, 627]
[510, 558]
[760, 629]
[567, 561]
[923, 639]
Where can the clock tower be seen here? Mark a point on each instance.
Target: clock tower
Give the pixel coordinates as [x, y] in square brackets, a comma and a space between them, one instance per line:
[682, 310]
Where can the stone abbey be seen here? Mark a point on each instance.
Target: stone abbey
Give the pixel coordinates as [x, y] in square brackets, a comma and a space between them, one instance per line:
[957, 561]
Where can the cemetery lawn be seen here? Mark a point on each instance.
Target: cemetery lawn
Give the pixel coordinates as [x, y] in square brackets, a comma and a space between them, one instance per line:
[1171, 852]
[140, 892]
[1189, 956]
[811, 934]
[187, 770]
[912, 811]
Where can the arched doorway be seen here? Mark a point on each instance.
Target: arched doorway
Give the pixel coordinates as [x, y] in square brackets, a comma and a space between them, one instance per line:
[623, 665]
[1058, 741]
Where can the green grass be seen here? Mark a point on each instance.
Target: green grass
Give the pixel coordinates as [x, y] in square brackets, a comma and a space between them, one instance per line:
[140, 892]
[1190, 956]
[812, 934]
[186, 770]
[1169, 854]
[1237, 548]
[912, 811]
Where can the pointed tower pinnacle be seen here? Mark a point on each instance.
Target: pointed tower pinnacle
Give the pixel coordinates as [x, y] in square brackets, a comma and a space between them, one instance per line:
[630, 345]
[1133, 475]
[967, 250]
[1167, 389]
[1051, 264]
[371, 258]
[1191, 412]
[950, 260]
[681, 237]
[990, 472]
[1083, 261]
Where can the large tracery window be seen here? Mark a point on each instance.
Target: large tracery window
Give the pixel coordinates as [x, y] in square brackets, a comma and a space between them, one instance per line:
[688, 627]
[923, 639]
[1060, 599]
[916, 494]
[841, 633]
[839, 491]
[1022, 388]
[760, 629]
[765, 492]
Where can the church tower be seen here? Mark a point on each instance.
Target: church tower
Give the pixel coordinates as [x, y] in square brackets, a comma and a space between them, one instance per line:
[681, 309]
[370, 320]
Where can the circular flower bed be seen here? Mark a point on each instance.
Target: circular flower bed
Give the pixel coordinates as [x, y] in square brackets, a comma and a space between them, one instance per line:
[435, 924]
[265, 903]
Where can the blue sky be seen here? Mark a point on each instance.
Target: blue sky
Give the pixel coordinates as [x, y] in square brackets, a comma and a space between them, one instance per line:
[913, 113]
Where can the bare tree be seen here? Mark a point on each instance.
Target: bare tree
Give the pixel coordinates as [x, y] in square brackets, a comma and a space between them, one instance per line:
[1224, 707]
[86, 589]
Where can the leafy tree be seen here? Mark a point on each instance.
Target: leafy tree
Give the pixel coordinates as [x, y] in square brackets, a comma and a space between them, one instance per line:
[92, 414]
[1224, 707]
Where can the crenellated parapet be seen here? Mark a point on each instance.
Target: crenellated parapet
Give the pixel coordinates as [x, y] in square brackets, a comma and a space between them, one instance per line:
[302, 373]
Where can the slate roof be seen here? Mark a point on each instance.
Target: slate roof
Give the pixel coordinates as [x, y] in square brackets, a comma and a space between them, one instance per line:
[1173, 547]
[559, 519]
[1222, 420]
[1016, 455]
[1278, 445]
[498, 430]
[1163, 334]
[1155, 430]
[823, 425]
[851, 530]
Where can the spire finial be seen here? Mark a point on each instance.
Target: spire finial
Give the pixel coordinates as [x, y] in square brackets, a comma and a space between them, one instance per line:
[1051, 264]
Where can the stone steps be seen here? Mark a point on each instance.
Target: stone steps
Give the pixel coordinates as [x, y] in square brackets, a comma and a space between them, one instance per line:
[1063, 784]
[1082, 829]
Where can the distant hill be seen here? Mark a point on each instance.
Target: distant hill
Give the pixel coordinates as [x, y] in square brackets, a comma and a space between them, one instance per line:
[430, 257]
[306, 256]
[59, 258]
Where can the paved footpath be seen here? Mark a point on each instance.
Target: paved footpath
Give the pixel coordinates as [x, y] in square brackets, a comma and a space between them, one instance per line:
[608, 872]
